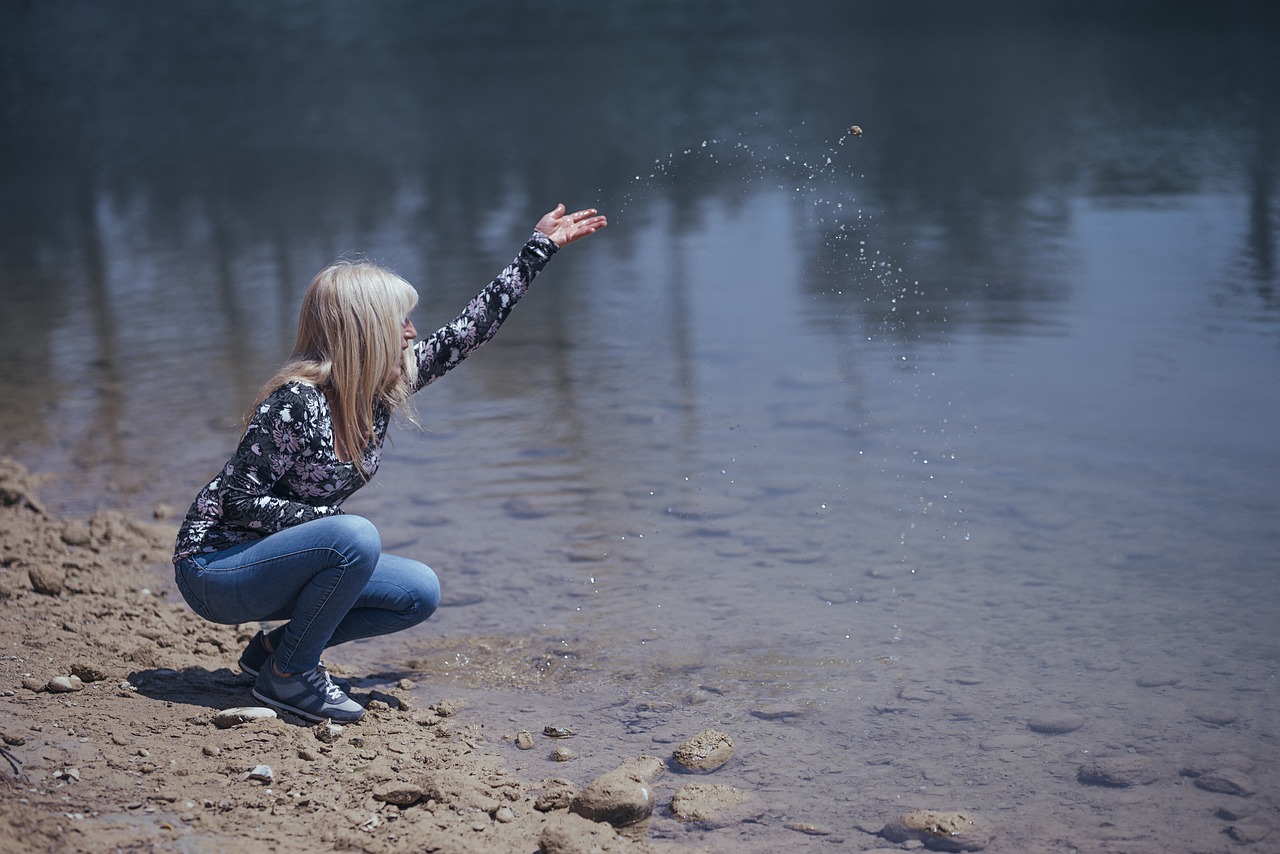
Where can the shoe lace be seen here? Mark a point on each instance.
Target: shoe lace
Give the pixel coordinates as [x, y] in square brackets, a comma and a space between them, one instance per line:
[320, 678]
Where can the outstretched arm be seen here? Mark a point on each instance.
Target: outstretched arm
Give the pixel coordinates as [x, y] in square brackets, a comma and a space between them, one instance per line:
[564, 228]
[479, 321]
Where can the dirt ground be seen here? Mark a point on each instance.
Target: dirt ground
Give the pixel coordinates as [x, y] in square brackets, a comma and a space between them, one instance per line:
[130, 758]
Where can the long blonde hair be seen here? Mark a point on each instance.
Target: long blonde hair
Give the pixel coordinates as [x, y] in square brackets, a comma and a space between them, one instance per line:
[350, 343]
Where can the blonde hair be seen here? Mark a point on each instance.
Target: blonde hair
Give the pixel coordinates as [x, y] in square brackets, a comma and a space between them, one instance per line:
[350, 343]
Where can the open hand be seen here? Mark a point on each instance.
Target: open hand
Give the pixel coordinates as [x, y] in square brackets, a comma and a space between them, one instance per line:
[565, 228]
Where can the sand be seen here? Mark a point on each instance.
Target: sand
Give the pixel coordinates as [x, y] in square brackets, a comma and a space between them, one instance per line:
[130, 757]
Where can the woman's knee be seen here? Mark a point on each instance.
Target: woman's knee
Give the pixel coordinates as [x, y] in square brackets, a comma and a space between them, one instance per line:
[354, 536]
[428, 591]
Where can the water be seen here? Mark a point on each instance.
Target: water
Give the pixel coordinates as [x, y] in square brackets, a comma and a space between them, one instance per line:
[865, 450]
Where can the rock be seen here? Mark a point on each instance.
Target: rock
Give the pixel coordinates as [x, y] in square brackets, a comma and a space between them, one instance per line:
[573, 834]
[1248, 832]
[88, 672]
[398, 793]
[64, 685]
[524, 740]
[228, 718]
[1214, 716]
[1115, 771]
[504, 815]
[706, 751]
[1157, 681]
[715, 804]
[262, 773]
[647, 767]
[776, 713]
[76, 533]
[556, 794]
[557, 732]
[327, 731]
[940, 831]
[1056, 724]
[808, 829]
[1226, 781]
[447, 708]
[47, 579]
[563, 754]
[619, 797]
[1234, 812]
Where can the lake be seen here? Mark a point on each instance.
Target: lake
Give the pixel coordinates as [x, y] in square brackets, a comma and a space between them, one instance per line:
[870, 450]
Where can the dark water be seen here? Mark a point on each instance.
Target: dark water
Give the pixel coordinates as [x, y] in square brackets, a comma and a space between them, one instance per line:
[863, 449]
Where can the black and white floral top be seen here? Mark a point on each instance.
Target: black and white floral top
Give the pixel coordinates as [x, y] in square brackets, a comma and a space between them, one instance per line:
[286, 470]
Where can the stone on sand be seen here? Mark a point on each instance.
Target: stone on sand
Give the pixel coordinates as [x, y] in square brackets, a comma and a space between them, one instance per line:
[572, 834]
[706, 751]
[1226, 781]
[64, 685]
[619, 797]
[47, 579]
[1055, 724]
[940, 830]
[1115, 771]
[228, 718]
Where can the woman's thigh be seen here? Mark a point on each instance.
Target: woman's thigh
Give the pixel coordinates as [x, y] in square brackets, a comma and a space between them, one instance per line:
[262, 580]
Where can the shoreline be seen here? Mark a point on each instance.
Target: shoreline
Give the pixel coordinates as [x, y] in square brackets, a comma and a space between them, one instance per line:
[128, 756]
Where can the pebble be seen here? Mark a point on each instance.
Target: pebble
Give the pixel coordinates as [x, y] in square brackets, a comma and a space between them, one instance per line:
[563, 754]
[47, 579]
[524, 740]
[940, 831]
[776, 713]
[76, 533]
[504, 815]
[1226, 781]
[262, 773]
[572, 834]
[808, 829]
[327, 731]
[1115, 771]
[64, 685]
[715, 804]
[398, 793]
[1214, 716]
[1159, 681]
[557, 732]
[556, 794]
[619, 797]
[1059, 724]
[1248, 832]
[228, 718]
[88, 672]
[705, 752]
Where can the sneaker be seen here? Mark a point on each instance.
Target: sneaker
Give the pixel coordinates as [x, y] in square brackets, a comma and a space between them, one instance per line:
[311, 695]
[254, 656]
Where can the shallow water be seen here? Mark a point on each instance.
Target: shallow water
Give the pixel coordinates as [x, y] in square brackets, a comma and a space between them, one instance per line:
[865, 450]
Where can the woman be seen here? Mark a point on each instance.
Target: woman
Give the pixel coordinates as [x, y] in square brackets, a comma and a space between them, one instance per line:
[266, 539]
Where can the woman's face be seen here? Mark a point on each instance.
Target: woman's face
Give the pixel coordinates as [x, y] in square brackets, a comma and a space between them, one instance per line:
[407, 334]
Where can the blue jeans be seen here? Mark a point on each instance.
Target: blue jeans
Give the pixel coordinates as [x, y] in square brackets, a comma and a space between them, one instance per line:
[327, 577]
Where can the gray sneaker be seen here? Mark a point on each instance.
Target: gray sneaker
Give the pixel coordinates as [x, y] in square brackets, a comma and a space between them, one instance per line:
[311, 695]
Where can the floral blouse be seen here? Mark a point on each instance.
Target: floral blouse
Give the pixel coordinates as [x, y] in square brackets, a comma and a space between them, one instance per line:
[286, 470]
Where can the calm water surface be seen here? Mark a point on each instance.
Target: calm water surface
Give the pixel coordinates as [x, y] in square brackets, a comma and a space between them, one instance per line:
[866, 450]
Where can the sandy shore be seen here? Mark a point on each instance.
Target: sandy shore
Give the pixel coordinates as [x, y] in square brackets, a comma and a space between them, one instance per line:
[131, 758]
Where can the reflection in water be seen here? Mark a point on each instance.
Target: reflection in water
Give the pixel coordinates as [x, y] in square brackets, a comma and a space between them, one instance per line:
[912, 431]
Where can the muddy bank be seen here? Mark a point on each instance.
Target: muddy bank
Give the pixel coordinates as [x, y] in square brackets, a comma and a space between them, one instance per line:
[110, 690]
